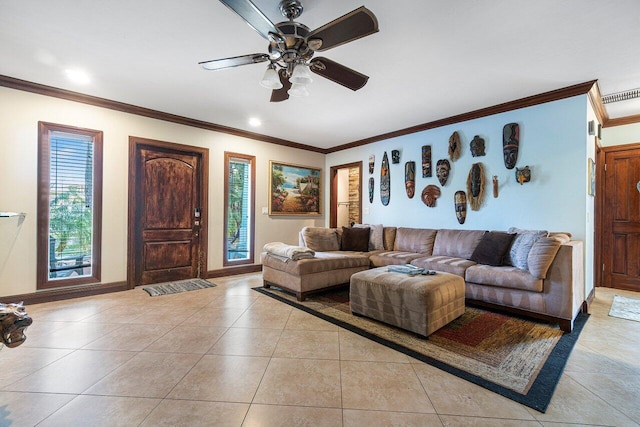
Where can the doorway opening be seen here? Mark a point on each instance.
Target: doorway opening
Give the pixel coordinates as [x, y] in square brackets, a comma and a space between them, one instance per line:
[346, 195]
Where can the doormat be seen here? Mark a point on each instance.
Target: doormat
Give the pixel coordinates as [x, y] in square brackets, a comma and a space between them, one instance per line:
[625, 308]
[518, 358]
[177, 287]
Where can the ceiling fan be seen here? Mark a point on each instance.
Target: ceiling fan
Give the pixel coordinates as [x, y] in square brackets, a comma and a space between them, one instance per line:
[292, 46]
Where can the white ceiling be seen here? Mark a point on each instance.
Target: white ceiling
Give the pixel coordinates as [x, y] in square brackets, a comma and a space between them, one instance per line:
[432, 59]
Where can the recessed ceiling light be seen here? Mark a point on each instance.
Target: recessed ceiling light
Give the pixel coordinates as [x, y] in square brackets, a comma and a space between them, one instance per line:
[77, 76]
[254, 122]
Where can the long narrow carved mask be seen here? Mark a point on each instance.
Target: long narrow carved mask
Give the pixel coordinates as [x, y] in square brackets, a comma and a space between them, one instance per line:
[475, 186]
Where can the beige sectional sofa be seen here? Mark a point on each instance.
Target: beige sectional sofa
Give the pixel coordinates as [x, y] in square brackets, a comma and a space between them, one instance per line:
[543, 276]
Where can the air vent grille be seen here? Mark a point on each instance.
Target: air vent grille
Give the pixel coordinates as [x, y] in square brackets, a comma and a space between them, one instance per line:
[621, 96]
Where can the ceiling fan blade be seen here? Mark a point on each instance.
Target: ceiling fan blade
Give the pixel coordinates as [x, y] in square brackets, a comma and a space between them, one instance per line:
[338, 73]
[253, 16]
[219, 64]
[355, 24]
[278, 95]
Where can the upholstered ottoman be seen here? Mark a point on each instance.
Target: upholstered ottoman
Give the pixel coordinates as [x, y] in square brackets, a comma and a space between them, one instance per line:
[421, 304]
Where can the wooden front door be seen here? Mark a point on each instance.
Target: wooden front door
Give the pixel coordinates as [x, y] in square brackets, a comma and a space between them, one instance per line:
[167, 212]
[621, 218]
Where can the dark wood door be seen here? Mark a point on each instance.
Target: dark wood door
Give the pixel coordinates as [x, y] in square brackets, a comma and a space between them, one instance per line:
[621, 218]
[169, 213]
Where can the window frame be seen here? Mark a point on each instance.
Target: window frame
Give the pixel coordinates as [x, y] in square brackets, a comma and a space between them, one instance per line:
[44, 173]
[228, 156]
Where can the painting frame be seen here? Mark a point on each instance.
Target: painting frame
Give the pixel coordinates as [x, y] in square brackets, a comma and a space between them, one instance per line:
[294, 190]
[591, 185]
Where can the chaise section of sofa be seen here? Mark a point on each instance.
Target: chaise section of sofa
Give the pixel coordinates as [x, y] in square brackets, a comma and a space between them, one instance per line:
[329, 268]
[326, 270]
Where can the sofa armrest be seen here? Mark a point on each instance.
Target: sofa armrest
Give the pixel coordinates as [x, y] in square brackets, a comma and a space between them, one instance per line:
[564, 286]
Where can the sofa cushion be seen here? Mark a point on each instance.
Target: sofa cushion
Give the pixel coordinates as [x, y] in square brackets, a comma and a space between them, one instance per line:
[376, 241]
[447, 264]
[542, 254]
[521, 245]
[457, 243]
[389, 237]
[492, 248]
[503, 277]
[382, 258]
[355, 239]
[418, 240]
[321, 239]
[324, 261]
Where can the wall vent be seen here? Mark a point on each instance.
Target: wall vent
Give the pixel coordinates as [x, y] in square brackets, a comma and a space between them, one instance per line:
[621, 96]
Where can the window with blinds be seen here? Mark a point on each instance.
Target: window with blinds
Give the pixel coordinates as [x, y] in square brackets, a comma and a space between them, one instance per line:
[239, 200]
[69, 205]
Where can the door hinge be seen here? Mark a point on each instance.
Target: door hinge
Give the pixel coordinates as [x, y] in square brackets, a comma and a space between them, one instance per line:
[602, 266]
[605, 167]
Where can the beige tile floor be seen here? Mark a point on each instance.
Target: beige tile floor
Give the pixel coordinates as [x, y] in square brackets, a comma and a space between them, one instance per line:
[228, 356]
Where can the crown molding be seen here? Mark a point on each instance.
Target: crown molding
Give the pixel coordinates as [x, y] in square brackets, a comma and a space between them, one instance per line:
[621, 121]
[595, 98]
[590, 88]
[554, 95]
[68, 95]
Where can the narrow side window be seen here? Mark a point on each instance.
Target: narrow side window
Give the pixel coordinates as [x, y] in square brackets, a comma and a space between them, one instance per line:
[69, 205]
[238, 210]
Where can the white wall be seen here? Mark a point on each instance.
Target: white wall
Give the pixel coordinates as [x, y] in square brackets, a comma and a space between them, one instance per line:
[553, 141]
[589, 239]
[343, 196]
[620, 135]
[19, 116]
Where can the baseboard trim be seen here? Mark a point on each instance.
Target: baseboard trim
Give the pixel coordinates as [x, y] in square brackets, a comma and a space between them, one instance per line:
[587, 302]
[232, 271]
[66, 293]
[105, 288]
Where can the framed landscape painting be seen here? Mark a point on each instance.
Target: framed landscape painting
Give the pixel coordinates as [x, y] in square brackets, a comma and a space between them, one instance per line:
[295, 190]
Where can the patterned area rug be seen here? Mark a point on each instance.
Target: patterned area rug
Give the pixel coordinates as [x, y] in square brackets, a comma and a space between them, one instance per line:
[177, 287]
[625, 308]
[517, 358]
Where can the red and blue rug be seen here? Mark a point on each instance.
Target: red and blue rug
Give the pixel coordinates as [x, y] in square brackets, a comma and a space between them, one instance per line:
[518, 358]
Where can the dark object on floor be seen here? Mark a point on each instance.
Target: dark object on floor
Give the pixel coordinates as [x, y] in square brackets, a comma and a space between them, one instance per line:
[13, 322]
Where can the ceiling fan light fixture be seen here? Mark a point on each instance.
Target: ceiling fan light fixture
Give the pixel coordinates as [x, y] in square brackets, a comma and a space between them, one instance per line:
[271, 80]
[298, 90]
[301, 75]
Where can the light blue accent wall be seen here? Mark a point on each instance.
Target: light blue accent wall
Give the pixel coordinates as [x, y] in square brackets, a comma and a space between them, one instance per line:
[553, 143]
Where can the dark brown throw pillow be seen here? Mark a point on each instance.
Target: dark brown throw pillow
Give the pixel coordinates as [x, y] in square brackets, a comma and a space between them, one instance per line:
[355, 239]
[492, 248]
